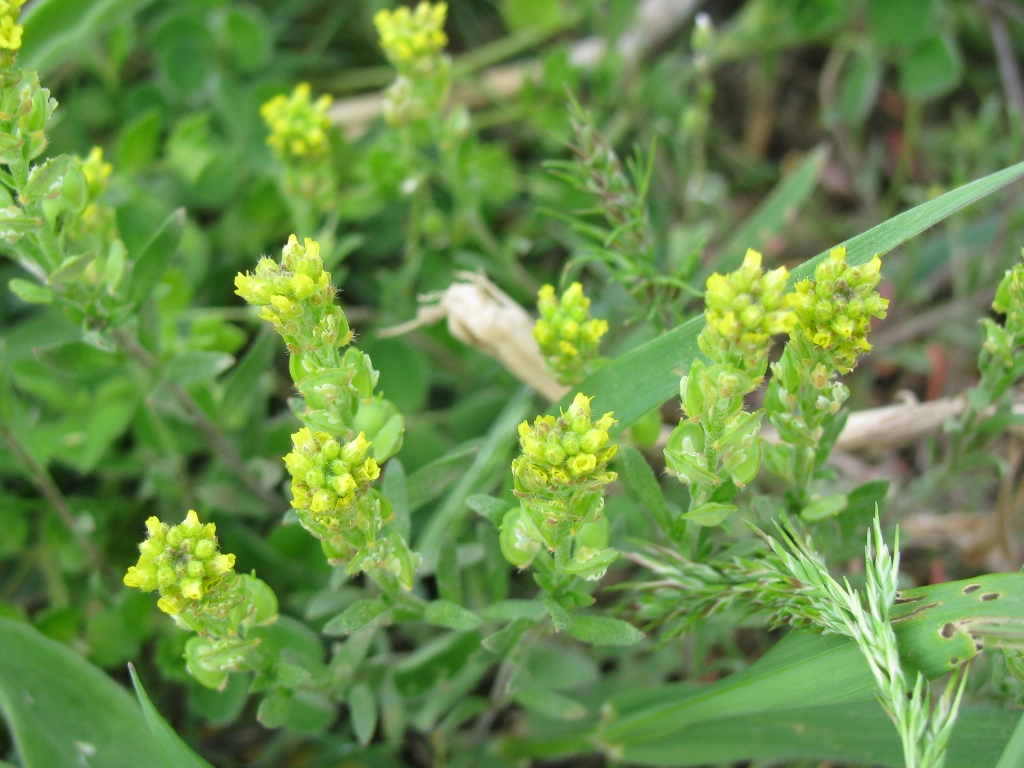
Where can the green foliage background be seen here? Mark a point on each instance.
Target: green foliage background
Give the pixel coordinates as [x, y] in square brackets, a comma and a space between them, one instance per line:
[826, 122]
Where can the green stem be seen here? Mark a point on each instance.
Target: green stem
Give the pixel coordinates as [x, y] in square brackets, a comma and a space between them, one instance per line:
[500, 689]
[40, 477]
[215, 437]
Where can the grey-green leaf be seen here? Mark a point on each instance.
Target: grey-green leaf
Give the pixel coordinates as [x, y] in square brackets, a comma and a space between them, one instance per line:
[601, 630]
[443, 613]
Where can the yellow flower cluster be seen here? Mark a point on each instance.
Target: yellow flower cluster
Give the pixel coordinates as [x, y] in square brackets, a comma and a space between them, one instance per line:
[744, 309]
[567, 335]
[298, 126]
[97, 172]
[296, 295]
[328, 477]
[564, 455]
[834, 309]
[183, 562]
[10, 30]
[409, 37]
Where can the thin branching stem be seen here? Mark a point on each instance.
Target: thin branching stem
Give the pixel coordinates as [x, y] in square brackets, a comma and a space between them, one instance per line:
[217, 439]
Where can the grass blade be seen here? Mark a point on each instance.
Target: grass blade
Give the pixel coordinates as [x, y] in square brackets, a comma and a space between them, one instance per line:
[647, 376]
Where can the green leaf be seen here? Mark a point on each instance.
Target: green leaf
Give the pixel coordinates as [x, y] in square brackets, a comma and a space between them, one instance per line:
[61, 710]
[1013, 754]
[859, 734]
[858, 89]
[509, 610]
[151, 263]
[933, 623]
[601, 630]
[642, 481]
[791, 675]
[495, 450]
[931, 70]
[177, 752]
[247, 37]
[898, 22]
[559, 616]
[59, 30]
[489, 508]
[502, 642]
[431, 480]
[360, 614]
[448, 576]
[45, 180]
[550, 704]
[196, 365]
[362, 707]
[273, 710]
[30, 292]
[519, 14]
[435, 661]
[186, 52]
[241, 385]
[647, 376]
[443, 613]
[395, 487]
[824, 508]
[139, 141]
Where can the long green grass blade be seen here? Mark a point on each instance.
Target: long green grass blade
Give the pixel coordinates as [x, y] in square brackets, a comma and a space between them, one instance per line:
[645, 377]
[178, 754]
[858, 734]
[1013, 754]
[453, 509]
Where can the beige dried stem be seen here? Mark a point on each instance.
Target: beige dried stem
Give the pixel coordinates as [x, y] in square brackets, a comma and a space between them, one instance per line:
[483, 316]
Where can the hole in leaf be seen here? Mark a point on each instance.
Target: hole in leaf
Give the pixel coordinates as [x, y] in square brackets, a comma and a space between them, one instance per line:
[990, 596]
[954, 660]
[948, 630]
[971, 588]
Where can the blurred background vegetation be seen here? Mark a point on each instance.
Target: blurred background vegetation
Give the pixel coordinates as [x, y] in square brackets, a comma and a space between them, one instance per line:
[821, 118]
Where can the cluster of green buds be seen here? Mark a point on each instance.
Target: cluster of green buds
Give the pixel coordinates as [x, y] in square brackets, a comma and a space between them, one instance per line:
[200, 590]
[1002, 341]
[10, 30]
[297, 296]
[567, 335]
[560, 479]
[298, 125]
[183, 562]
[299, 134]
[25, 109]
[328, 477]
[1001, 365]
[803, 400]
[718, 440]
[414, 43]
[744, 309]
[834, 309]
[349, 431]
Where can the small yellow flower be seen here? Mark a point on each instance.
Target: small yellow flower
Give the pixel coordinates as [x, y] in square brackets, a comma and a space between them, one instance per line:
[10, 30]
[183, 562]
[298, 126]
[409, 37]
[834, 309]
[568, 337]
[744, 309]
[564, 455]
